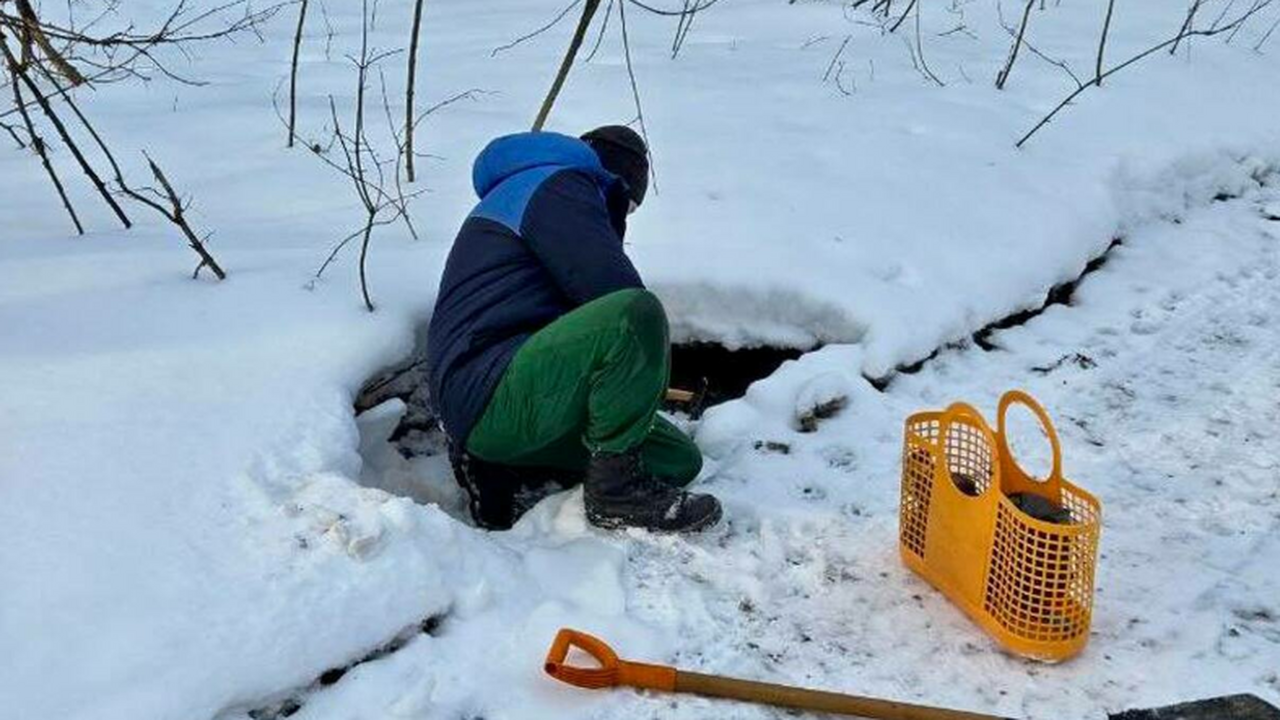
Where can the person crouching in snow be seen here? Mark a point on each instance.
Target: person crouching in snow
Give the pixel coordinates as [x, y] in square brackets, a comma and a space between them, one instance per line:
[546, 351]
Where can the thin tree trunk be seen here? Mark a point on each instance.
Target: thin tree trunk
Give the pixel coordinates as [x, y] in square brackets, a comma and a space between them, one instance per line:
[293, 73]
[1102, 44]
[588, 11]
[364, 254]
[1003, 77]
[408, 93]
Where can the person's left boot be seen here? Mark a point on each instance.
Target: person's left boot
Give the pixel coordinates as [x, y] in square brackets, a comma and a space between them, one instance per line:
[491, 489]
[620, 492]
[498, 495]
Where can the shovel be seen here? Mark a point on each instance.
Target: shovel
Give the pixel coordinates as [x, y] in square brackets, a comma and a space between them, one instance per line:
[614, 672]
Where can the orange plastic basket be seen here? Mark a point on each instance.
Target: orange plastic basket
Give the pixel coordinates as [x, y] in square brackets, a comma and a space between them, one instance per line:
[1027, 582]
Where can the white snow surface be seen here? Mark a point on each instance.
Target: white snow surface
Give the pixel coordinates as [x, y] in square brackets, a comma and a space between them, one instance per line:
[196, 526]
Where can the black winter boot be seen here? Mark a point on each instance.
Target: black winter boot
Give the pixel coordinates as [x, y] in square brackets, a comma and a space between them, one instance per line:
[619, 492]
[490, 488]
[498, 495]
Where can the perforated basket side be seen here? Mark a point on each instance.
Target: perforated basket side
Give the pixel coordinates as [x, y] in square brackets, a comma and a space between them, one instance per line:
[917, 482]
[1040, 579]
[971, 459]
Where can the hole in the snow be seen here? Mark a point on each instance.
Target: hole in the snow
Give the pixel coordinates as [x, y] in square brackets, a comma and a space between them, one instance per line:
[403, 449]
[715, 373]
[405, 453]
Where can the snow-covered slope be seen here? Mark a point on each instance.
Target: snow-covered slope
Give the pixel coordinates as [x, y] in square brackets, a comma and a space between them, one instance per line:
[178, 460]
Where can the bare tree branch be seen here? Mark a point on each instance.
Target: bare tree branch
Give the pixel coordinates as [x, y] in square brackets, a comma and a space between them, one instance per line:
[535, 33]
[1185, 33]
[685, 10]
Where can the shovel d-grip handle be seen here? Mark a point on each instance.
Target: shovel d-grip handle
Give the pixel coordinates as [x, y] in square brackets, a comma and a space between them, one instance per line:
[612, 671]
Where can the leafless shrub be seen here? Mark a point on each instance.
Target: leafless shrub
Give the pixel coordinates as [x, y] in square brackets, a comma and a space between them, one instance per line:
[45, 61]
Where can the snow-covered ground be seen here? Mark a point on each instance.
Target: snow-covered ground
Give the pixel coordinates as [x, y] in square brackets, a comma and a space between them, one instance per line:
[186, 532]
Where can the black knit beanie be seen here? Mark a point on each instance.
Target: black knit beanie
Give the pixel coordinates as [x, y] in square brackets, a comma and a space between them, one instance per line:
[623, 153]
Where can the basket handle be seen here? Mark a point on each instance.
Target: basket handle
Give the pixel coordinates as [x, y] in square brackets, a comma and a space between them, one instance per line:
[955, 411]
[958, 410]
[1020, 397]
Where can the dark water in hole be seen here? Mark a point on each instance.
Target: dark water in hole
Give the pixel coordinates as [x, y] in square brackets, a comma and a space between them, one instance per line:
[724, 373]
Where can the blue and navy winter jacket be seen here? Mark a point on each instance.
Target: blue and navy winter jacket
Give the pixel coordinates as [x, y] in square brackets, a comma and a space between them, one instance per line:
[545, 238]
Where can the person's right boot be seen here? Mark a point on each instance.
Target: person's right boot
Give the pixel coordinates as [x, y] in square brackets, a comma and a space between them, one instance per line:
[619, 492]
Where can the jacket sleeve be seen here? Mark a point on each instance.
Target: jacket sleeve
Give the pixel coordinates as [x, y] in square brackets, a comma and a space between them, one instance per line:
[566, 225]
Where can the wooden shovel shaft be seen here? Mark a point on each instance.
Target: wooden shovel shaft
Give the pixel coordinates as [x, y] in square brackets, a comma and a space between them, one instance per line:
[814, 700]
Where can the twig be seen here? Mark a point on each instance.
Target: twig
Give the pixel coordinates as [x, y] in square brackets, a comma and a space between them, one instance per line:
[588, 10]
[836, 57]
[903, 16]
[920, 48]
[1060, 64]
[674, 13]
[176, 214]
[535, 33]
[635, 92]
[13, 133]
[683, 25]
[604, 25]
[1262, 41]
[1232, 35]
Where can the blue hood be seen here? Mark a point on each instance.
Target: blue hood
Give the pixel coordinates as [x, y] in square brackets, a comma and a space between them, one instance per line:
[510, 155]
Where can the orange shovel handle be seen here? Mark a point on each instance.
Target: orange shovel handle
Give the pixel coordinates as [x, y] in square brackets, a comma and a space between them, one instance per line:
[612, 671]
